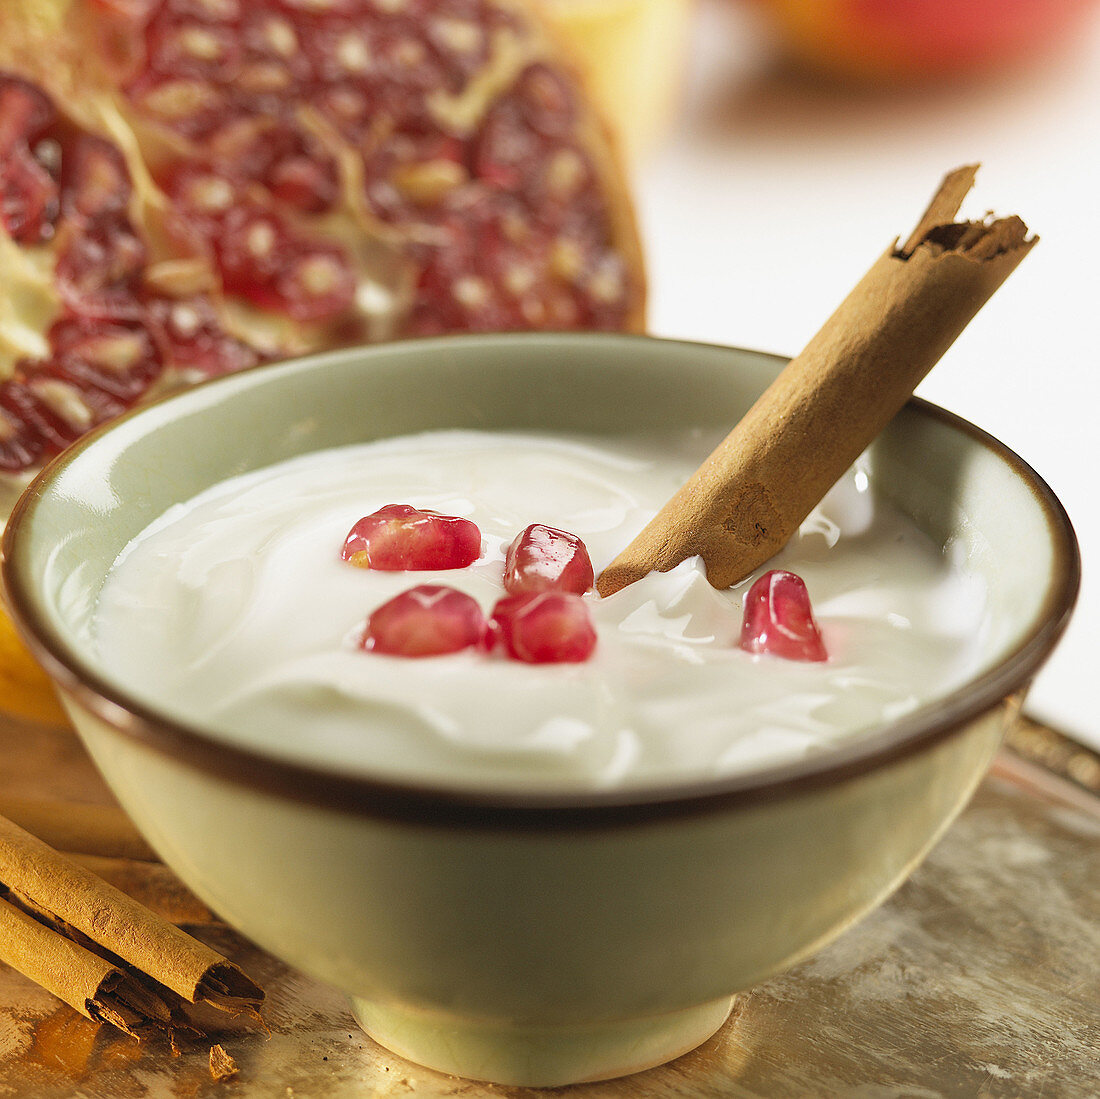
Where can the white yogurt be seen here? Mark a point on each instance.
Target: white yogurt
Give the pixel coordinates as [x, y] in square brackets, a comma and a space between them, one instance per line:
[234, 611]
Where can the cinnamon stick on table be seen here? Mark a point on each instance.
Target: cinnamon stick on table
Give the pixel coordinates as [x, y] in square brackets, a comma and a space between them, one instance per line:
[750, 496]
[102, 952]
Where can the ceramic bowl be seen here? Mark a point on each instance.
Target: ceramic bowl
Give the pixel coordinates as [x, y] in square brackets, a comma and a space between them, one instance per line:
[532, 939]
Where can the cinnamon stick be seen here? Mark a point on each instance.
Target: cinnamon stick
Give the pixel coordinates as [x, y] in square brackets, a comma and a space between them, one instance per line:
[751, 494]
[94, 986]
[102, 952]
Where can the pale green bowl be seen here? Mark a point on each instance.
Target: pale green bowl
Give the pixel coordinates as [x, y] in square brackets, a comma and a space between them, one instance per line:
[530, 939]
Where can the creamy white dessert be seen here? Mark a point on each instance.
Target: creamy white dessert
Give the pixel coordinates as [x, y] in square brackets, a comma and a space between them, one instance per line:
[234, 611]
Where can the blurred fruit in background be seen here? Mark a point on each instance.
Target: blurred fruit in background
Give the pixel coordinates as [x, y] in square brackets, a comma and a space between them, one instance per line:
[632, 53]
[25, 689]
[912, 40]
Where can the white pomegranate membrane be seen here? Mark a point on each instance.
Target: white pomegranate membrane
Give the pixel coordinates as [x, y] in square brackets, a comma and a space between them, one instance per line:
[266, 619]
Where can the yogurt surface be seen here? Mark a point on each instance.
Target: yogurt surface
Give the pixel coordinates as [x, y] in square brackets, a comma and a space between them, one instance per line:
[234, 612]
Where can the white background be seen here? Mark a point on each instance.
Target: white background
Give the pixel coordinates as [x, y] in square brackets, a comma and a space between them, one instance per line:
[773, 195]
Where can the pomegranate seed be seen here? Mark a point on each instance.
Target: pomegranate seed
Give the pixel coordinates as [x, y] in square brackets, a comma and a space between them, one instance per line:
[117, 360]
[550, 627]
[317, 285]
[263, 261]
[779, 619]
[96, 181]
[28, 197]
[428, 620]
[193, 49]
[401, 538]
[546, 559]
[191, 335]
[24, 113]
[206, 194]
[28, 191]
[53, 410]
[20, 445]
[99, 273]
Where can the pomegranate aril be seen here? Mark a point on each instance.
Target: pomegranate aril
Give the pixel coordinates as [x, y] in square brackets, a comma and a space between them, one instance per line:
[118, 360]
[401, 538]
[20, 444]
[99, 272]
[544, 558]
[316, 285]
[779, 620]
[54, 410]
[185, 48]
[549, 104]
[273, 58]
[95, 181]
[544, 628]
[29, 199]
[429, 620]
[25, 111]
[192, 336]
[28, 190]
[263, 262]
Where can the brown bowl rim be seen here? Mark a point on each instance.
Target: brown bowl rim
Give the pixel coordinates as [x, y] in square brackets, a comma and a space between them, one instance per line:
[467, 806]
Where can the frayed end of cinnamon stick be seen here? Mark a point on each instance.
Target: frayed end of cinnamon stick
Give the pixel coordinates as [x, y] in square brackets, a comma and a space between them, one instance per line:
[939, 231]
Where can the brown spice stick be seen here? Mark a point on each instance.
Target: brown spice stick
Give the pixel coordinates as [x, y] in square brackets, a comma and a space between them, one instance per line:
[107, 923]
[78, 826]
[751, 494]
[94, 986]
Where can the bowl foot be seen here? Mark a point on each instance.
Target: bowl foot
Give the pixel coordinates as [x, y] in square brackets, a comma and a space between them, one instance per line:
[534, 1056]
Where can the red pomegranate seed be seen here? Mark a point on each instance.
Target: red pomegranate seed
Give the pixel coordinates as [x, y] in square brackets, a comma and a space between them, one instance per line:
[95, 181]
[779, 619]
[190, 48]
[544, 628]
[546, 559]
[204, 194]
[120, 361]
[28, 192]
[192, 336]
[25, 112]
[20, 444]
[429, 620]
[53, 409]
[263, 261]
[100, 271]
[401, 538]
[28, 198]
[291, 163]
[317, 284]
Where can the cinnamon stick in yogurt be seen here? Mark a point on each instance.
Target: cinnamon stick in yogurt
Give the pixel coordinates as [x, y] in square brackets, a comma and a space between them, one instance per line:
[750, 495]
